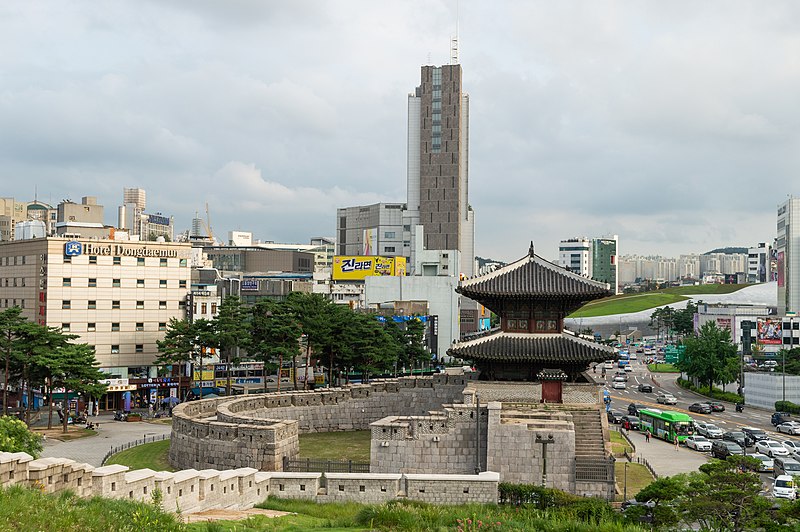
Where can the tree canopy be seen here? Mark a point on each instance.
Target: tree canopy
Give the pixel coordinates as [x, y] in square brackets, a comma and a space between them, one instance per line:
[710, 356]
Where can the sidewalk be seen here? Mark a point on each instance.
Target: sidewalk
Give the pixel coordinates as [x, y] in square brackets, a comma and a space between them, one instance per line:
[663, 457]
[92, 449]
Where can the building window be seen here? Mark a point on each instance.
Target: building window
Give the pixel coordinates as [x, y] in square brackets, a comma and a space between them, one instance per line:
[65, 327]
[213, 308]
[67, 281]
[115, 326]
[162, 283]
[92, 259]
[182, 262]
[92, 283]
[115, 304]
[203, 308]
[115, 349]
[140, 348]
[117, 261]
[139, 326]
[162, 305]
[92, 304]
[182, 283]
[91, 327]
[389, 234]
[140, 304]
[388, 249]
[162, 326]
[66, 303]
[140, 261]
[139, 283]
[116, 283]
[181, 304]
[162, 262]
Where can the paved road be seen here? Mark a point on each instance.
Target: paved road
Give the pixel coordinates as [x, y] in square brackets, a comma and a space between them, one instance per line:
[111, 433]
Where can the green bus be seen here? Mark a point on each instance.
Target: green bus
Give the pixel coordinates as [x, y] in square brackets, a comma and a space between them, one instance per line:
[666, 424]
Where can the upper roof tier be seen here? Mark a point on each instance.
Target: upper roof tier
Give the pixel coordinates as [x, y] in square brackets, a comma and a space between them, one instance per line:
[532, 277]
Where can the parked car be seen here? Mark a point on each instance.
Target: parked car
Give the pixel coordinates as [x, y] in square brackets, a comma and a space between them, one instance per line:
[771, 448]
[767, 463]
[715, 406]
[709, 430]
[698, 443]
[614, 416]
[722, 449]
[666, 399]
[783, 488]
[789, 427]
[752, 435]
[630, 422]
[633, 409]
[736, 437]
[700, 408]
[645, 388]
[780, 417]
[792, 446]
[785, 466]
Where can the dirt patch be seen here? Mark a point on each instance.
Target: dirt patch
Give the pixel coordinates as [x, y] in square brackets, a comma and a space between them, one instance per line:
[230, 515]
[57, 433]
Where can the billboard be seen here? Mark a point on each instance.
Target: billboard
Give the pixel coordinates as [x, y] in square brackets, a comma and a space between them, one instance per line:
[769, 331]
[357, 268]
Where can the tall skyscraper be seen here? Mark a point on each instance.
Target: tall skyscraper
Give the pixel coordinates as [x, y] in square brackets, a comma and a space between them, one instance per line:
[787, 251]
[438, 164]
[604, 261]
[575, 254]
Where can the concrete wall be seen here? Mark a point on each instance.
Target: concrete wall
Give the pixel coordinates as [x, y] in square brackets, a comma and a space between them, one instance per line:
[763, 389]
[260, 430]
[191, 491]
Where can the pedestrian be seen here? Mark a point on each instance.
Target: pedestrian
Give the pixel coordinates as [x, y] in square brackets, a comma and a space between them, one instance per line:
[647, 436]
[676, 442]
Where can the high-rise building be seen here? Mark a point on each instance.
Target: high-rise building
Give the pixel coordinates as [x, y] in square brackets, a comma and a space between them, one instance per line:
[438, 164]
[131, 216]
[758, 263]
[371, 230]
[575, 255]
[787, 248]
[604, 261]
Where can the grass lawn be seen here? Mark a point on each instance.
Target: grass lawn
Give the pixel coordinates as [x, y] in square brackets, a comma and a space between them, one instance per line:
[148, 456]
[663, 368]
[57, 433]
[626, 303]
[618, 443]
[638, 477]
[336, 445]
[705, 289]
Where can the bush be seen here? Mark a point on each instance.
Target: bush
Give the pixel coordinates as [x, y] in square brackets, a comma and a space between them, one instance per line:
[16, 438]
[714, 393]
[787, 406]
[541, 498]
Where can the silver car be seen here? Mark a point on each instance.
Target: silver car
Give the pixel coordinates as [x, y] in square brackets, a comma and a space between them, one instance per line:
[666, 399]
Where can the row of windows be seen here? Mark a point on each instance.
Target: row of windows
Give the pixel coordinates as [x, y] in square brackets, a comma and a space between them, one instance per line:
[13, 261]
[15, 281]
[204, 308]
[115, 304]
[13, 303]
[138, 349]
[92, 327]
[117, 261]
[117, 283]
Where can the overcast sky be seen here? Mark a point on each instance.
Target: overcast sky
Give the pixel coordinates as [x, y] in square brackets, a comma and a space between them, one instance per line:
[672, 124]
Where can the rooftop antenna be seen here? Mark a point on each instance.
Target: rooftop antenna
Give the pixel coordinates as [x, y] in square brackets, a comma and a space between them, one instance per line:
[454, 42]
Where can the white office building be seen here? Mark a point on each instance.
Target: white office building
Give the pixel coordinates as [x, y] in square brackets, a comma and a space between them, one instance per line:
[787, 251]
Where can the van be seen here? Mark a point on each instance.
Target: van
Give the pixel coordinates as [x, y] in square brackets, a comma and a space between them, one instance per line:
[784, 488]
[785, 466]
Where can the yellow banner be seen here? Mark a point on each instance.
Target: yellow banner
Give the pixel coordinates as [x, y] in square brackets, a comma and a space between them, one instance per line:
[356, 268]
[208, 375]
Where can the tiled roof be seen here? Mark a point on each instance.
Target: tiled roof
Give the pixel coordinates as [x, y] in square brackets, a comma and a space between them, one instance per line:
[533, 277]
[539, 348]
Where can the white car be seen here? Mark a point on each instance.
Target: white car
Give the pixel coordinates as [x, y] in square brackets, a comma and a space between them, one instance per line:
[789, 427]
[767, 463]
[628, 368]
[666, 399]
[784, 488]
[608, 365]
[711, 431]
[793, 446]
[633, 356]
[771, 448]
[698, 443]
[618, 384]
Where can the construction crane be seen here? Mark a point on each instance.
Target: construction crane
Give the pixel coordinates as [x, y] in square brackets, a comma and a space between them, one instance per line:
[207, 224]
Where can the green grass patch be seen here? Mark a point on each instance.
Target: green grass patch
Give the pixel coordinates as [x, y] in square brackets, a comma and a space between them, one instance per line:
[25, 509]
[626, 303]
[353, 445]
[153, 456]
[638, 478]
[618, 443]
[663, 368]
[705, 289]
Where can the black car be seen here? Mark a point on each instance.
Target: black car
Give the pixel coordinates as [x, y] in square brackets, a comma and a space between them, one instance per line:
[780, 417]
[700, 408]
[645, 388]
[633, 409]
[722, 449]
[630, 422]
[614, 416]
[715, 406]
[736, 437]
[752, 435]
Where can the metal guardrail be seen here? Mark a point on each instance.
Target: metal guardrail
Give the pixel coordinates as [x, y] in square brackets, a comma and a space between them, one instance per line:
[642, 460]
[594, 469]
[129, 445]
[312, 465]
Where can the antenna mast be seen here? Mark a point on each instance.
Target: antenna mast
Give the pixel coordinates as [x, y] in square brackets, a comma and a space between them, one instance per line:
[454, 42]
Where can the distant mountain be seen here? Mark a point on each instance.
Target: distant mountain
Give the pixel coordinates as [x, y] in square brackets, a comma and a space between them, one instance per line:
[727, 251]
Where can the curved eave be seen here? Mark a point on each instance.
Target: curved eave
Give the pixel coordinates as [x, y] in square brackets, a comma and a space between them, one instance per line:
[533, 348]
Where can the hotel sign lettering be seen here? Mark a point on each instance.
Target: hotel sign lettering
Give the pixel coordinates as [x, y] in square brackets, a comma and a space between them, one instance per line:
[116, 250]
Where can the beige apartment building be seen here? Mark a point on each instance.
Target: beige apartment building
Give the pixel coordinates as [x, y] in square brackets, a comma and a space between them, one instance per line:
[117, 296]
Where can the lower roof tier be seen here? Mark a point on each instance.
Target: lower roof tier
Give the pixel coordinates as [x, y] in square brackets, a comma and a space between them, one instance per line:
[539, 348]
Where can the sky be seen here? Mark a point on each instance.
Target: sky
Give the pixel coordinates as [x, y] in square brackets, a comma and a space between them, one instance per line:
[674, 125]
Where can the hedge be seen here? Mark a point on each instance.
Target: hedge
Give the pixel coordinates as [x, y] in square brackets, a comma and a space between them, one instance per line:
[787, 406]
[715, 393]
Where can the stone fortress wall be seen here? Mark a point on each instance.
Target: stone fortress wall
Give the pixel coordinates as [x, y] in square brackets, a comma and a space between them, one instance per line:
[258, 431]
[192, 491]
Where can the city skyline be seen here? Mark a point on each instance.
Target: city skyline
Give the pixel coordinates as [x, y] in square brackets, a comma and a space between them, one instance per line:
[608, 119]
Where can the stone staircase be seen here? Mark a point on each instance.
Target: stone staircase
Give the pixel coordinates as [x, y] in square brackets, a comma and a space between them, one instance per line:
[589, 442]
